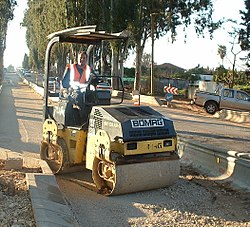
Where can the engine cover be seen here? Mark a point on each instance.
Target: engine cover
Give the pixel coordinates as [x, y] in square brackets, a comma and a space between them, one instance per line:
[135, 123]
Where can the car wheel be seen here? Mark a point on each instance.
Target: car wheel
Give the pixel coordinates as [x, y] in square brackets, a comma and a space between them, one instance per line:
[211, 107]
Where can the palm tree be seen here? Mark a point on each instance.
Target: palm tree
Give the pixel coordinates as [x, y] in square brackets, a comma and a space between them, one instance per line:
[222, 51]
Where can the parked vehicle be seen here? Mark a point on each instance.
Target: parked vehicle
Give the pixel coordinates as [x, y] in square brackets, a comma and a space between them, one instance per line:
[53, 84]
[104, 86]
[224, 98]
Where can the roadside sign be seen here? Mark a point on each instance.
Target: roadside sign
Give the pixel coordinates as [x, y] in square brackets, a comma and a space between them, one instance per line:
[170, 89]
[169, 97]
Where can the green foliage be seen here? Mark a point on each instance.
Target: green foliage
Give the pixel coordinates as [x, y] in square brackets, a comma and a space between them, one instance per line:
[141, 19]
[244, 37]
[189, 76]
[6, 9]
[192, 75]
[146, 60]
[10, 68]
[129, 72]
[200, 70]
[156, 18]
[183, 92]
[220, 75]
[25, 63]
[41, 19]
[222, 51]
[244, 87]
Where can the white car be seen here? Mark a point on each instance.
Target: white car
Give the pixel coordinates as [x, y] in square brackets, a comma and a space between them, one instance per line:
[53, 84]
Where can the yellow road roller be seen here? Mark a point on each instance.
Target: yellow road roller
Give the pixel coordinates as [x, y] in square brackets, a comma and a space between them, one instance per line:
[127, 148]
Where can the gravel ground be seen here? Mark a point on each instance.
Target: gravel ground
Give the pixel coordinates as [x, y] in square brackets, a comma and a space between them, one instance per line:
[15, 204]
[192, 201]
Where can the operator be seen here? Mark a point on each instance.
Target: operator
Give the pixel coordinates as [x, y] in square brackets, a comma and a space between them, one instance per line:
[76, 76]
[75, 82]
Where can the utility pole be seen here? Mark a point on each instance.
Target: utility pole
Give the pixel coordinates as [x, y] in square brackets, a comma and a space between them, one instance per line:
[66, 14]
[111, 15]
[86, 12]
[152, 53]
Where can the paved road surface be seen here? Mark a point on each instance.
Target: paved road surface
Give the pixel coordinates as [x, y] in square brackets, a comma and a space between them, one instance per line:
[21, 117]
[208, 130]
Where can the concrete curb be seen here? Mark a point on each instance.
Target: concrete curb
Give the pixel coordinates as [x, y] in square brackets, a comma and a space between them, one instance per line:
[234, 116]
[218, 164]
[154, 101]
[48, 203]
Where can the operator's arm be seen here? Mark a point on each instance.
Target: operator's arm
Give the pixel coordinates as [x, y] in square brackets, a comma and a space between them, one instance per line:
[66, 78]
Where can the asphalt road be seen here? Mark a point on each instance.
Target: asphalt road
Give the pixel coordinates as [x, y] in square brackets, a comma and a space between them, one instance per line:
[206, 129]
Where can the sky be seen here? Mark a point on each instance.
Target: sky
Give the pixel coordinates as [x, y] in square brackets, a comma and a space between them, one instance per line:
[189, 54]
[15, 41]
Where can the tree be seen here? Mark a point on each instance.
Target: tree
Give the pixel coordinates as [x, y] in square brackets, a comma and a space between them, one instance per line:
[244, 37]
[11, 68]
[193, 75]
[25, 63]
[42, 18]
[234, 35]
[146, 60]
[156, 18]
[221, 75]
[45, 17]
[222, 52]
[141, 18]
[6, 9]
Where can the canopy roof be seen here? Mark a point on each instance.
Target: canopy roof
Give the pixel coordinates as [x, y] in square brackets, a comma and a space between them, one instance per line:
[85, 34]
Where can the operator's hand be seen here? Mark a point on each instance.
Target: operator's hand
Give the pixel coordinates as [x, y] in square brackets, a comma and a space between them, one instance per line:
[94, 80]
[83, 87]
[91, 87]
[64, 92]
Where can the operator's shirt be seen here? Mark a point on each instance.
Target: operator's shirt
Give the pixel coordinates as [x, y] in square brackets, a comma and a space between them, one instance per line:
[69, 77]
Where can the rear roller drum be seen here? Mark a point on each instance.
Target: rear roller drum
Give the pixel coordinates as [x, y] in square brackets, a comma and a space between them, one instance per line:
[55, 155]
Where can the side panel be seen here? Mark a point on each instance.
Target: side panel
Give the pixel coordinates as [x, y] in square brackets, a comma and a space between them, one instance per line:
[150, 146]
[227, 99]
[202, 98]
[76, 143]
[90, 151]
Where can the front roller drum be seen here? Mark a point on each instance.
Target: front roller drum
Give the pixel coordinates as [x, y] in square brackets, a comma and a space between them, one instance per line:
[56, 155]
[128, 178]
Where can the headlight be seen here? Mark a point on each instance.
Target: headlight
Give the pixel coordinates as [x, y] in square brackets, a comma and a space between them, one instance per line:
[167, 143]
[131, 146]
